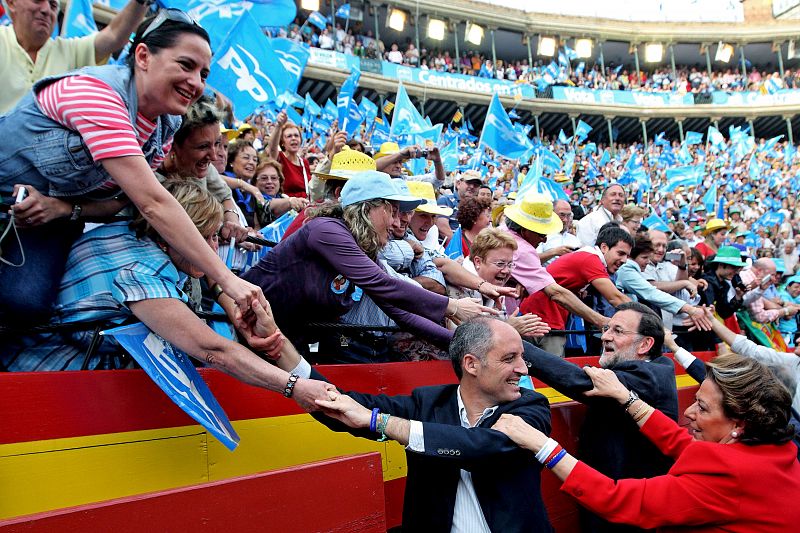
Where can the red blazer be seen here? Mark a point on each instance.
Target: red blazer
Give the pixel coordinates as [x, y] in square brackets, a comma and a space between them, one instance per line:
[711, 487]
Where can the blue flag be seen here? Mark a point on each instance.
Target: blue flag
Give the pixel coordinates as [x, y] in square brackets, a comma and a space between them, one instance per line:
[709, 199]
[79, 19]
[550, 161]
[562, 137]
[368, 109]
[690, 176]
[405, 118]
[693, 137]
[294, 57]
[173, 371]
[330, 112]
[238, 69]
[343, 12]
[316, 18]
[347, 110]
[219, 16]
[312, 108]
[582, 130]
[449, 154]
[499, 133]
[453, 250]
[656, 222]
[716, 139]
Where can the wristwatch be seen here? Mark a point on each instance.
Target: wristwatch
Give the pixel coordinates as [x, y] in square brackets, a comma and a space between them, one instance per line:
[77, 209]
[632, 397]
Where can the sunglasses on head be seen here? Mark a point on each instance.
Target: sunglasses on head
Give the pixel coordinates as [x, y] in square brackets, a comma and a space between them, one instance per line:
[169, 13]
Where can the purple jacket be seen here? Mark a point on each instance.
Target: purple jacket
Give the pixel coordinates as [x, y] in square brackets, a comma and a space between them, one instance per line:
[311, 276]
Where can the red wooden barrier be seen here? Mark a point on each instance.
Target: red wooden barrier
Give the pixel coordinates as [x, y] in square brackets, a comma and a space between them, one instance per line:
[349, 498]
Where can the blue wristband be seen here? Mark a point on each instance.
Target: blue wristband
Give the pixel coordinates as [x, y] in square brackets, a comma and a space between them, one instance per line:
[554, 461]
[373, 419]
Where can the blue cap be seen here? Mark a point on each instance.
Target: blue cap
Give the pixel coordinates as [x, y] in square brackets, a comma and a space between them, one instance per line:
[374, 185]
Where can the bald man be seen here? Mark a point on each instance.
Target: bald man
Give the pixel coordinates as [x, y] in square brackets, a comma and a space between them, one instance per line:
[563, 242]
[611, 204]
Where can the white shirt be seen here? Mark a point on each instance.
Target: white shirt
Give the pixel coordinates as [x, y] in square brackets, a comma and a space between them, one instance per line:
[564, 238]
[589, 226]
[467, 513]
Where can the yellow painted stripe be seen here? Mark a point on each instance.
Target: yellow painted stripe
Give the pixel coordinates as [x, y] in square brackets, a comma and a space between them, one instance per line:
[52, 474]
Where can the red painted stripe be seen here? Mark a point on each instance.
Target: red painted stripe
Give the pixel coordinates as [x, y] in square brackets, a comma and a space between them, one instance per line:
[51, 405]
[292, 499]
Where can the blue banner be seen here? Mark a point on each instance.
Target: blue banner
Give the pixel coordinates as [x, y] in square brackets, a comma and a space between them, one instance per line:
[753, 98]
[173, 371]
[636, 98]
[349, 116]
[457, 82]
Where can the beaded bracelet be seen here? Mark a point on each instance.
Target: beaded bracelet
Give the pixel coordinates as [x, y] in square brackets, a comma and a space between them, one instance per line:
[373, 419]
[554, 461]
[384, 421]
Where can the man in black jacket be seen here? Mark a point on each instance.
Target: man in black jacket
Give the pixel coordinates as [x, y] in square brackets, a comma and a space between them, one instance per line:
[462, 475]
[609, 440]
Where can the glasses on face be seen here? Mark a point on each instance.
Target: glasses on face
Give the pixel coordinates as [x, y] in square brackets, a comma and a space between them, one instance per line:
[617, 331]
[170, 13]
[566, 215]
[502, 265]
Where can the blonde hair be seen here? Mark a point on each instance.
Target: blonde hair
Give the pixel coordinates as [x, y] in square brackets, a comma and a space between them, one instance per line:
[203, 209]
[631, 211]
[268, 162]
[356, 218]
[491, 239]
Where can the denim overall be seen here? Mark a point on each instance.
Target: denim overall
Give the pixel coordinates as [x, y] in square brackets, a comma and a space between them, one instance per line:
[38, 151]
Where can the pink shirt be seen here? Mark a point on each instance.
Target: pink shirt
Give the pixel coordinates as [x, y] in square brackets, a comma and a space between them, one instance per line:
[528, 269]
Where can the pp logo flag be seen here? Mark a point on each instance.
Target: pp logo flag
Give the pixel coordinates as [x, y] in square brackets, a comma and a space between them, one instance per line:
[294, 57]
[239, 68]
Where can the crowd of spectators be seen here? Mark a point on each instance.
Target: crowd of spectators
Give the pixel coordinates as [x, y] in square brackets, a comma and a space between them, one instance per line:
[362, 241]
[579, 73]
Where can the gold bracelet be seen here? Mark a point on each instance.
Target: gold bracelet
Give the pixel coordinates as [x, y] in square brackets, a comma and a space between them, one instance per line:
[644, 404]
[644, 414]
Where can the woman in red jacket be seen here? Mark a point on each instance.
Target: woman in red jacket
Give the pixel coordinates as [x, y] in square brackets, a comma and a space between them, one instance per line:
[735, 470]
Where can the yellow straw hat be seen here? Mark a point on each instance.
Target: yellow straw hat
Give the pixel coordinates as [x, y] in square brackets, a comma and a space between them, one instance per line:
[713, 225]
[387, 148]
[231, 134]
[535, 213]
[346, 164]
[424, 190]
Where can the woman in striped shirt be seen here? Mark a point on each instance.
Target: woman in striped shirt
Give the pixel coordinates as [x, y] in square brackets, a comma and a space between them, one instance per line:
[91, 138]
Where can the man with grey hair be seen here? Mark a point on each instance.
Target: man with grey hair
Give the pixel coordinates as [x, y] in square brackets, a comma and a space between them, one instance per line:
[462, 475]
[564, 242]
[28, 54]
[611, 204]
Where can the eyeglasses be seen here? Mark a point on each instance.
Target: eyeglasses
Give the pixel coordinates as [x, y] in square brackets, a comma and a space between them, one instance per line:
[169, 13]
[617, 331]
[502, 265]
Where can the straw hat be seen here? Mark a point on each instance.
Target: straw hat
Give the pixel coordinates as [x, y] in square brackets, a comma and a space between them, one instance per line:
[246, 127]
[535, 213]
[713, 225]
[346, 164]
[387, 148]
[424, 191]
[231, 134]
[471, 175]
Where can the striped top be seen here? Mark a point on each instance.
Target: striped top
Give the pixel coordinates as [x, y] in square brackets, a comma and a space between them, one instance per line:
[93, 109]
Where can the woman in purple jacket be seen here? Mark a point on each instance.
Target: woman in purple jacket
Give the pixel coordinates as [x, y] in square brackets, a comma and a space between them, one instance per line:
[319, 273]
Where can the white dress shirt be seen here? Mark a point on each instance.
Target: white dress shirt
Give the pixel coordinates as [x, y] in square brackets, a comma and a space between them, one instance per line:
[467, 514]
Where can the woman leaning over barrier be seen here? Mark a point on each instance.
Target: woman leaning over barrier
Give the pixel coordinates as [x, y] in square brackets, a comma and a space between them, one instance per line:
[78, 160]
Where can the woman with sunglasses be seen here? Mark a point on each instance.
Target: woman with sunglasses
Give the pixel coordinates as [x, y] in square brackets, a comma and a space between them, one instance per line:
[81, 160]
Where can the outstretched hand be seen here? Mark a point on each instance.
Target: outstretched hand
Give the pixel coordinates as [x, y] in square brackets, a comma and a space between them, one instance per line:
[606, 384]
[345, 409]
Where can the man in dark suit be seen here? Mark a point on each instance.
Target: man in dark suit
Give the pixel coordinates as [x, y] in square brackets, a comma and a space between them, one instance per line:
[609, 440]
[461, 473]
